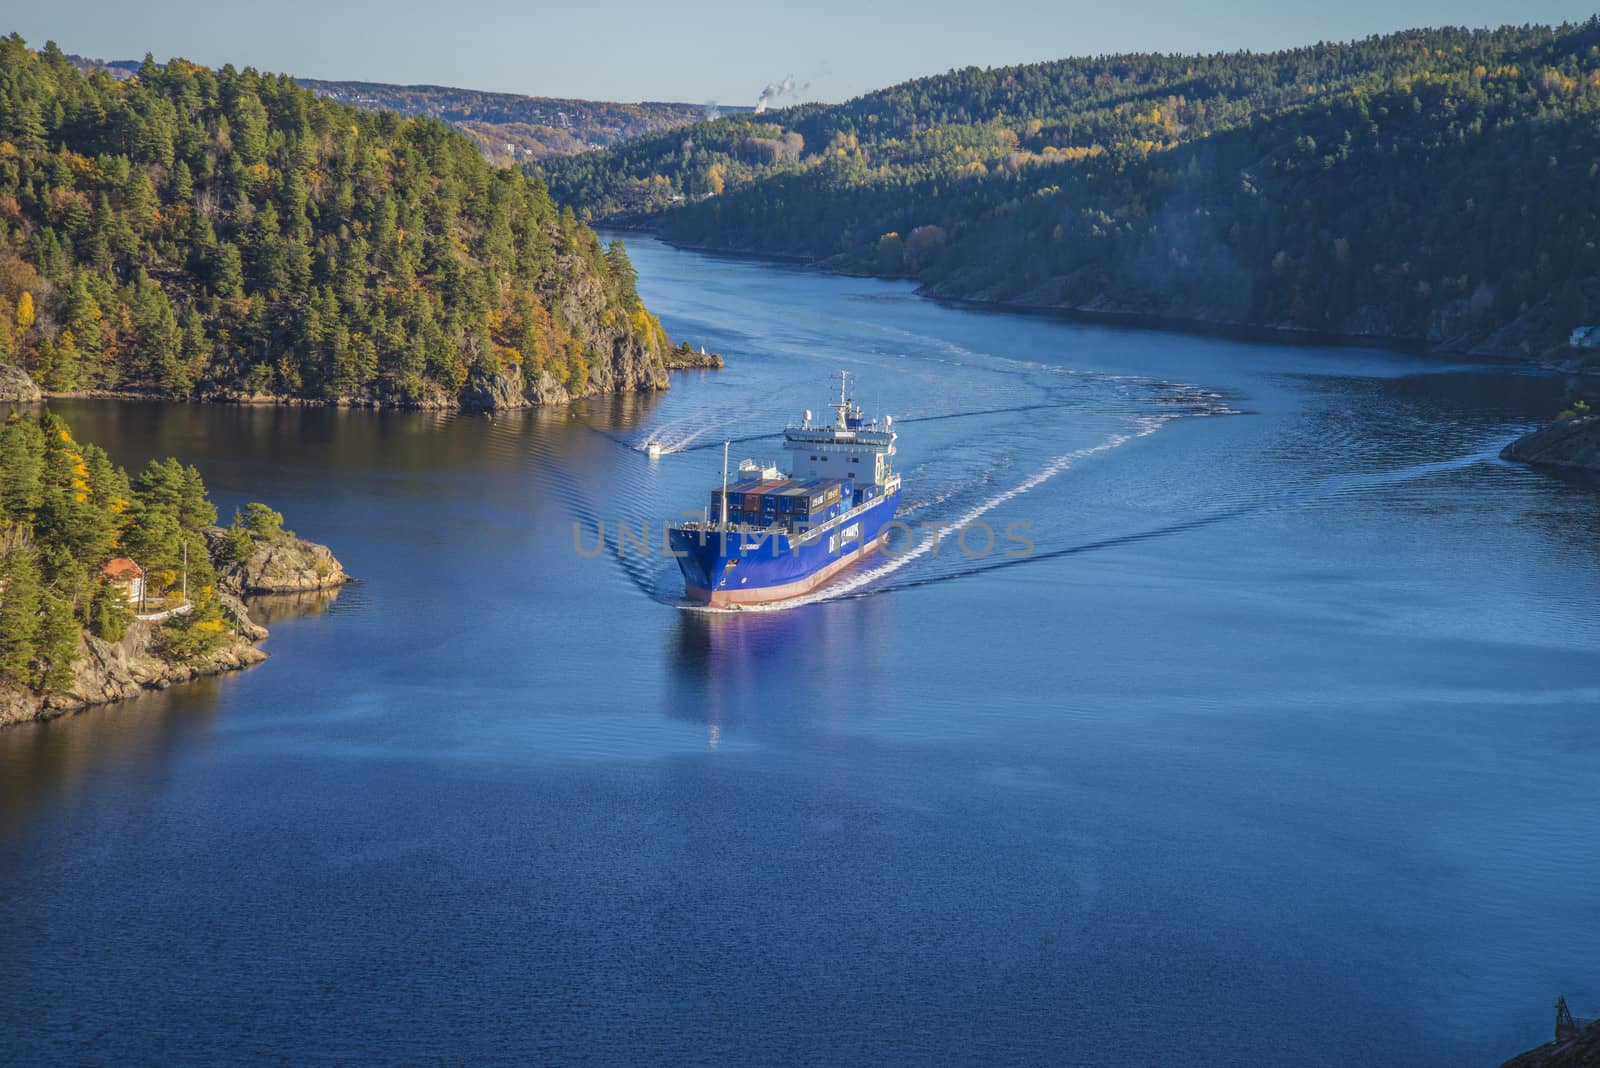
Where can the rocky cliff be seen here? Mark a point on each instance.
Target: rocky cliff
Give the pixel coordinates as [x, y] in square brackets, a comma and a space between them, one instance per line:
[15, 385]
[624, 360]
[1572, 441]
[116, 671]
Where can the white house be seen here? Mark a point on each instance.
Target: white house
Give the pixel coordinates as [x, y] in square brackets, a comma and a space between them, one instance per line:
[127, 578]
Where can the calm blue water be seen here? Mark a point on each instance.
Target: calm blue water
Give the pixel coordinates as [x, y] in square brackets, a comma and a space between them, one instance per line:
[1278, 748]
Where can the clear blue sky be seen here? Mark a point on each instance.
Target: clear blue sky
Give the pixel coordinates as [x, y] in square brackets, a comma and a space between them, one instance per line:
[718, 50]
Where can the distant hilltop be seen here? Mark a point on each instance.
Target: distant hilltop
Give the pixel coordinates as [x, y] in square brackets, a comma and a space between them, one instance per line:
[1432, 188]
[514, 128]
[509, 127]
[120, 69]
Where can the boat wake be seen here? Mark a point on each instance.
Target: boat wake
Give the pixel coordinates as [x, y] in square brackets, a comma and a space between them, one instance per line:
[1324, 490]
[681, 434]
[890, 575]
[1148, 406]
[858, 581]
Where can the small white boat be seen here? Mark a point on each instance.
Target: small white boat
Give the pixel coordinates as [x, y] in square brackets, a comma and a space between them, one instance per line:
[652, 449]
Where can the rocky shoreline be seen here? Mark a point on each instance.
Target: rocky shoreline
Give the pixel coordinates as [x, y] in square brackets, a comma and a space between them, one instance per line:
[1571, 442]
[501, 391]
[109, 672]
[1369, 327]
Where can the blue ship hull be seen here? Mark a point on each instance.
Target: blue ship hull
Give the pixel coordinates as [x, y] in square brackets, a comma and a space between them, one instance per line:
[750, 566]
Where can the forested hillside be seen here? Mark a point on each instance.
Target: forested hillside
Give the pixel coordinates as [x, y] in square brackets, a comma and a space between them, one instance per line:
[1433, 185]
[227, 233]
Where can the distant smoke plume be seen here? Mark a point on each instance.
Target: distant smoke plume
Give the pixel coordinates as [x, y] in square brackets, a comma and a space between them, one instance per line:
[772, 92]
[711, 111]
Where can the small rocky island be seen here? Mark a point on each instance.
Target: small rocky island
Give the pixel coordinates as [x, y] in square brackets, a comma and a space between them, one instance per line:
[1572, 441]
[111, 585]
[686, 358]
[143, 659]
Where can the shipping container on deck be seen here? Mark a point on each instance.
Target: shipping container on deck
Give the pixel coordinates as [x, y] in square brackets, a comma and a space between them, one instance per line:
[753, 494]
[736, 492]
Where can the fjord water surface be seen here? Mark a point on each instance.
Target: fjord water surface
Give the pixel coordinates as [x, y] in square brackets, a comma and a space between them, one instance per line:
[1277, 747]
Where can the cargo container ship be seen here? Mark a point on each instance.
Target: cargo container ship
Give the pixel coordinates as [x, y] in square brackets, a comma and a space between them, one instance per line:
[769, 536]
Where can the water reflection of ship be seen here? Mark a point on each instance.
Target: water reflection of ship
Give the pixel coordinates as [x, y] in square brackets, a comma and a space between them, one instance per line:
[739, 669]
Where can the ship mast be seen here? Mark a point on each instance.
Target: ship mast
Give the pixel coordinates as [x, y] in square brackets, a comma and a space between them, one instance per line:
[843, 407]
[723, 527]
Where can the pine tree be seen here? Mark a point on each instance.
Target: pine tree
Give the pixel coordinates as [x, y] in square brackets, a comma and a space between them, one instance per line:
[56, 643]
[19, 614]
[108, 614]
[21, 469]
[182, 183]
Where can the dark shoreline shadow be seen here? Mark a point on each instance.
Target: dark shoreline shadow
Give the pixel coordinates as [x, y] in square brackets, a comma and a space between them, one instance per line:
[270, 609]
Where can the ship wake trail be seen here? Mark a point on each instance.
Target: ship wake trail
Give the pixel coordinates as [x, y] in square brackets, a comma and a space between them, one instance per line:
[1324, 490]
[591, 524]
[865, 580]
[677, 435]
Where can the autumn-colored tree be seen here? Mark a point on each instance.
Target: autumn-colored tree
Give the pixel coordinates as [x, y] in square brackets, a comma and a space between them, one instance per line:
[67, 509]
[225, 228]
[1439, 182]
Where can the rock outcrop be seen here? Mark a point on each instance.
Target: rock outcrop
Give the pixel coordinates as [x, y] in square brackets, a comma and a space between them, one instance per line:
[15, 385]
[685, 358]
[625, 362]
[494, 392]
[116, 671]
[281, 564]
[1572, 441]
